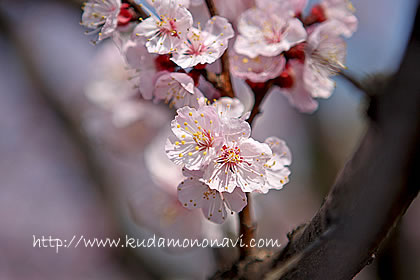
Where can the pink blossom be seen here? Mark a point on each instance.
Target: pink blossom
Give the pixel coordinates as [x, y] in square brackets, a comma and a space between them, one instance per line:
[204, 46]
[143, 65]
[259, 69]
[177, 89]
[161, 212]
[231, 115]
[276, 170]
[296, 91]
[101, 16]
[184, 3]
[238, 163]
[267, 34]
[325, 53]
[194, 193]
[166, 32]
[292, 7]
[109, 88]
[232, 9]
[341, 11]
[229, 107]
[197, 137]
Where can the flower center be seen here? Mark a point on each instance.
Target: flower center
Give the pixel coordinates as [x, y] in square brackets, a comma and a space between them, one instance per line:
[167, 26]
[195, 45]
[231, 157]
[203, 139]
[209, 194]
[273, 34]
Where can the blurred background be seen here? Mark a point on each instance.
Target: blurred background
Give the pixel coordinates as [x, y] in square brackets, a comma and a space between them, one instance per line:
[72, 162]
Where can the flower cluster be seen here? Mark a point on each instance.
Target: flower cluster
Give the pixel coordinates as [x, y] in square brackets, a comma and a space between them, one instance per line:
[163, 49]
[300, 54]
[221, 160]
[173, 58]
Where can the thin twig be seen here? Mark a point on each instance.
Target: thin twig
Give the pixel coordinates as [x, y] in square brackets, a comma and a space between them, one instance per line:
[212, 8]
[137, 7]
[351, 79]
[260, 94]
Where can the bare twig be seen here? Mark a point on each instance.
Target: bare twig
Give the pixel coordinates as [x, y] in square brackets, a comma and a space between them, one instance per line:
[137, 7]
[212, 8]
[260, 94]
[351, 79]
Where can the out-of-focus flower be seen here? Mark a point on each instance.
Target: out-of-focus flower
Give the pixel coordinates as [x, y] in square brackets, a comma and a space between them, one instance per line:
[143, 65]
[267, 34]
[341, 11]
[167, 30]
[294, 88]
[183, 3]
[194, 193]
[161, 212]
[294, 7]
[197, 137]
[325, 53]
[204, 46]
[110, 89]
[231, 9]
[101, 16]
[177, 89]
[276, 170]
[259, 69]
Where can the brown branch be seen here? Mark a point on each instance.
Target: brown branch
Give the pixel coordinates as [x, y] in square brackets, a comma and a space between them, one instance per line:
[212, 8]
[259, 94]
[351, 79]
[225, 83]
[137, 7]
[369, 197]
[246, 230]
[225, 75]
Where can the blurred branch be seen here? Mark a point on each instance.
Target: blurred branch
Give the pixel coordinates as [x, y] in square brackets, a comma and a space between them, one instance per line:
[370, 195]
[72, 126]
[351, 79]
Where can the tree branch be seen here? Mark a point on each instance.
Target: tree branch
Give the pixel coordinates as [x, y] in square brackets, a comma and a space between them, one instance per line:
[351, 79]
[137, 7]
[369, 197]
